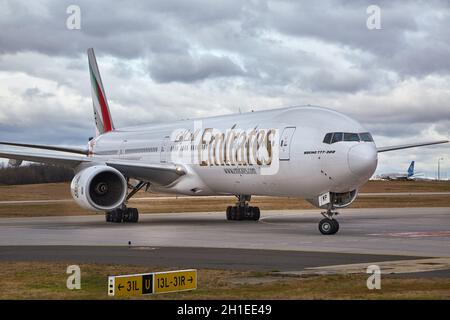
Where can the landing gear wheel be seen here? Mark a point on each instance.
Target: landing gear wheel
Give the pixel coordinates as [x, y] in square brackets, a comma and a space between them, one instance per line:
[242, 210]
[328, 226]
[122, 215]
[243, 213]
[116, 215]
[248, 213]
[229, 212]
[135, 215]
[126, 215]
[240, 213]
[233, 213]
[256, 213]
[130, 215]
[336, 225]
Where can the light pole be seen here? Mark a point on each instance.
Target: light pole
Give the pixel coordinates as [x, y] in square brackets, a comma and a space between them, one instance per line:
[439, 168]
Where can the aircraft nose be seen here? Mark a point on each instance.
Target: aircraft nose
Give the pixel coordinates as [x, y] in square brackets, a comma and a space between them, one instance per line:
[362, 159]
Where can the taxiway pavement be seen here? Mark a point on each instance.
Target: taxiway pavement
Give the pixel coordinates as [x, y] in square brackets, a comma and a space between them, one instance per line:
[423, 232]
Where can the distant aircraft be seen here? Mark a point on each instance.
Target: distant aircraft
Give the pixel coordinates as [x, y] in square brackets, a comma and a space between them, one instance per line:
[409, 175]
[311, 152]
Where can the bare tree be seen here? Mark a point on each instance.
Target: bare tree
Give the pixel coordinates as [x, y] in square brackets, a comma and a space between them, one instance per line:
[34, 173]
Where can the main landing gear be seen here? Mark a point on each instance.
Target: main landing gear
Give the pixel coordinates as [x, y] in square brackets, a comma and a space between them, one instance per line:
[329, 225]
[242, 210]
[124, 214]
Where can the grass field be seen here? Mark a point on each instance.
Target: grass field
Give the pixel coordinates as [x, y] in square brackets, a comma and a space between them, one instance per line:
[59, 191]
[55, 191]
[38, 280]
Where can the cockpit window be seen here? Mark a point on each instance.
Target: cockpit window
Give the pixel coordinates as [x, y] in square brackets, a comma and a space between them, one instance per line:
[351, 136]
[333, 137]
[366, 136]
[337, 136]
[327, 138]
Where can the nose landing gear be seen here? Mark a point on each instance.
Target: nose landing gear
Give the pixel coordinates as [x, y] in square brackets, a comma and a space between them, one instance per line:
[242, 210]
[329, 225]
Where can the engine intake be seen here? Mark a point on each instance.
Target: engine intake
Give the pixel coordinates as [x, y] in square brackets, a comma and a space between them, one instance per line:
[99, 188]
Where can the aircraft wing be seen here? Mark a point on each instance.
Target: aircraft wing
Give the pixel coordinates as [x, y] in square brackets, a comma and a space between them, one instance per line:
[412, 145]
[46, 147]
[161, 174]
[28, 154]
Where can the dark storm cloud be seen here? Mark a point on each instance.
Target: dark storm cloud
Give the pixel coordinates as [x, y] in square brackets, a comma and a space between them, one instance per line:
[342, 22]
[413, 39]
[70, 135]
[324, 80]
[399, 129]
[156, 31]
[125, 29]
[424, 59]
[189, 69]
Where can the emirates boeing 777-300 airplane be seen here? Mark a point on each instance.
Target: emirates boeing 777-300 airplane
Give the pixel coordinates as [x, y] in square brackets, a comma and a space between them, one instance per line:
[311, 152]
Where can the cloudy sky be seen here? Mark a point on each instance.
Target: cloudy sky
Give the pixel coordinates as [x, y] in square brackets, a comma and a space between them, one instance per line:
[166, 60]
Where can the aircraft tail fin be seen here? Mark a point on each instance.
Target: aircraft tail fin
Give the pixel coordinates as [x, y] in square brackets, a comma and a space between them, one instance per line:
[411, 169]
[102, 115]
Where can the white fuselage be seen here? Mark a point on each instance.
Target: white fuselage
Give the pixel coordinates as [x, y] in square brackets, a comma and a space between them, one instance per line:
[305, 165]
[395, 176]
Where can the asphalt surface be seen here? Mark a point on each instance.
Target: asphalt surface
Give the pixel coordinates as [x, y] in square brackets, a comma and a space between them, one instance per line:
[182, 257]
[281, 240]
[400, 231]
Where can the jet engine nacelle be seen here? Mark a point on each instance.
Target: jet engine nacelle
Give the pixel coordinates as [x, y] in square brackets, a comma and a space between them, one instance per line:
[99, 188]
[339, 199]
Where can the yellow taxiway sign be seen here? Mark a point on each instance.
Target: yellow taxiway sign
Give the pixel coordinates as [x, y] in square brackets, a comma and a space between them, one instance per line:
[148, 283]
[175, 281]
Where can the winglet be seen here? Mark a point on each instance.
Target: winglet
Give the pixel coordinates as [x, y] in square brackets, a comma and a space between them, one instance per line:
[102, 115]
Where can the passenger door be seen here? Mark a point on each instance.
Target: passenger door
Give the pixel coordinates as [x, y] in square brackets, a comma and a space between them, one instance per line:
[285, 142]
[122, 148]
[164, 152]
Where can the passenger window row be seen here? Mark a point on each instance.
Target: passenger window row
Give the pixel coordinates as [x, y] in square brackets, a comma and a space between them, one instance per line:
[333, 137]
